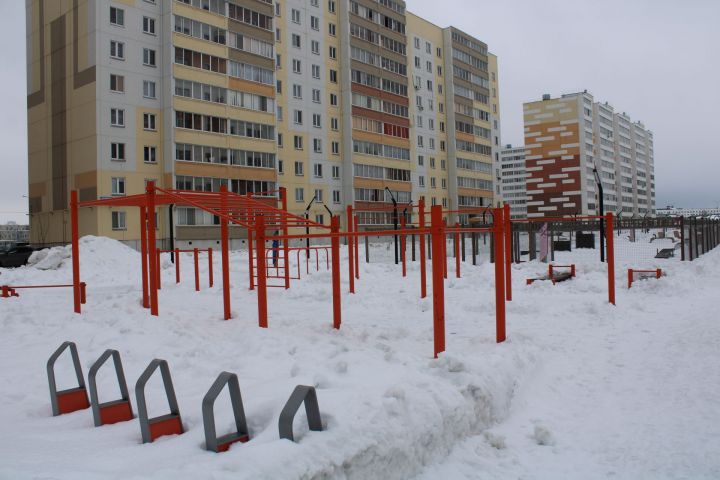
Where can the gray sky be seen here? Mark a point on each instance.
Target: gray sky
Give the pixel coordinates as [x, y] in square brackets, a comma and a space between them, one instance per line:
[657, 60]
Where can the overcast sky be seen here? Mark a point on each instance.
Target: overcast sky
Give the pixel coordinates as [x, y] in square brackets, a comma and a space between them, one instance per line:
[656, 60]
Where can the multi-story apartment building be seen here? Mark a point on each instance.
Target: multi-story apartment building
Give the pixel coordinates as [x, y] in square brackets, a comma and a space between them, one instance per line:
[566, 139]
[343, 102]
[512, 180]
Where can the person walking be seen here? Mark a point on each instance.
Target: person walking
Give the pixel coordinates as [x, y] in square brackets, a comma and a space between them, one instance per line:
[275, 249]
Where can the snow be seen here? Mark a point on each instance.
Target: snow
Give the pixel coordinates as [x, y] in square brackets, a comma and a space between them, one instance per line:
[581, 389]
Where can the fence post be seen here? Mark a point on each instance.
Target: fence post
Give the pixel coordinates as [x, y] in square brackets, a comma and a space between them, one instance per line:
[682, 238]
[335, 248]
[421, 239]
[473, 247]
[144, 253]
[177, 265]
[196, 260]
[152, 255]
[286, 241]
[351, 249]
[367, 249]
[261, 272]
[75, 250]
[357, 248]
[498, 244]
[211, 279]
[438, 238]
[250, 259]
[462, 245]
[403, 246]
[508, 252]
[609, 241]
[456, 244]
[224, 245]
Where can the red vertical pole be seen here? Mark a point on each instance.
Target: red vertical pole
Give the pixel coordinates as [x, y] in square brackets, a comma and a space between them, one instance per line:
[150, 201]
[335, 249]
[438, 284]
[402, 246]
[157, 269]
[144, 252]
[177, 265]
[658, 274]
[224, 245]
[444, 253]
[211, 280]
[630, 277]
[499, 242]
[421, 238]
[457, 251]
[609, 241]
[75, 250]
[508, 252]
[250, 259]
[351, 249]
[357, 248]
[286, 242]
[197, 269]
[262, 280]
[83, 292]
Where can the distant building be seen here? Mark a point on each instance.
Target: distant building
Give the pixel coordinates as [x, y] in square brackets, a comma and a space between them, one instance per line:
[566, 138]
[12, 233]
[511, 180]
[671, 211]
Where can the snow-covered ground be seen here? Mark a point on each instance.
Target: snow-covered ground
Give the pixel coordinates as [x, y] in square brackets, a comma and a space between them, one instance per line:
[581, 389]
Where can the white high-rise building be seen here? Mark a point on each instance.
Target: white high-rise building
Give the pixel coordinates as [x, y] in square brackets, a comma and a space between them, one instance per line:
[512, 180]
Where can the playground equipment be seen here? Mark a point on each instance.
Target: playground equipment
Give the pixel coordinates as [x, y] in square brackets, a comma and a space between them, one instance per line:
[553, 276]
[301, 394]
[196, 261]
[634, 275]
[72, 399]
[169, 424]
[114, 411]
[7, 291]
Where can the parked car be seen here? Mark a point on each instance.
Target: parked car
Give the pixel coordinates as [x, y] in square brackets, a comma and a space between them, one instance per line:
[15, 256]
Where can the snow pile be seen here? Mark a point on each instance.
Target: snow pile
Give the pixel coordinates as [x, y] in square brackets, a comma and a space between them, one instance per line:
[579, 382]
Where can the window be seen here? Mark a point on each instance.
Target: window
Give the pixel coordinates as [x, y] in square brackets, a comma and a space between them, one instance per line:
[336, 196]
[316, 71]
[299, 194]
[149, 25]
[317, 145]
[319, 218]
[117, 152]
[332, 52]
[297, 117]
[295, 14]
[331, 6]
[421, 181]
[315, 47]
[280, 167]
[316, 95]
[280, 140]
[299, 169]
[317, 170]
[149, 57]
[335, 172]
[148, 89]
[118, 185]
[296, 40]
[319, 195]
[297, 91]
[117, 117]
[297, 66]
[333, 99]
[149, 154]
[421, 160]
[298, 142]
[333, 76]
[335, 148]
[117, 16]
[332, 29]
[149, 121]
[314, 23]
[317, 122]
[117, 50]
[117, 83]
[334, 124]
[118, 220]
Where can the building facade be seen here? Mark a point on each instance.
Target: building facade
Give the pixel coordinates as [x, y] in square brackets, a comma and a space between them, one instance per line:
[512, 179]
[566, 138]
[12, 233]
[342, 102]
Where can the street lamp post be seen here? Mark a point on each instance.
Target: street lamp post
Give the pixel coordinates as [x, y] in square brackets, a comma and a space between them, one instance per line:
[395, 222]
[602, 213]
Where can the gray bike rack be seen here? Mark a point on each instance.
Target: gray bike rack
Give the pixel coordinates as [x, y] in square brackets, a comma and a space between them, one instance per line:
[169, 424]
[301, 394]
[73, 399]
[212, 441]
[114, 411]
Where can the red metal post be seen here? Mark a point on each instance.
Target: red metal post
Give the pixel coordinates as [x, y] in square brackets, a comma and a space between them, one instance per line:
[211, 280]
[335, 248]
[196, 260]
[75, 250]
[224, 243]
[144, 252]
[508, 252]
[499, 242]
[437, 227]
[351, 249]
[286, 242]
[444, 252]
[150, 202]
[158, 270]
[357, 248]
[83, 292]
[403, 246]
[630, 277]
[423, 266]
[250, 259]
[609, 241]
[177, 265]
[457, 251]
[658, 274]
[262, 280]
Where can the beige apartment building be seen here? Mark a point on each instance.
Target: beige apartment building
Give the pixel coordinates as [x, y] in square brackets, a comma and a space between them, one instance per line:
[342, 102]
